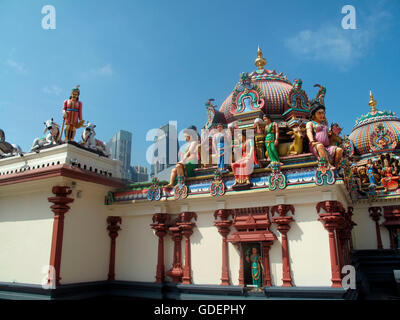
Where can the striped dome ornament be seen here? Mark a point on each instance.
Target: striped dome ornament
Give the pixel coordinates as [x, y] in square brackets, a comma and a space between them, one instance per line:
[375, 131]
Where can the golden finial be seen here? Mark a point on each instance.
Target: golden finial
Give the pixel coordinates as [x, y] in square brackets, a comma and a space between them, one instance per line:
[372, 102]
[260, 62]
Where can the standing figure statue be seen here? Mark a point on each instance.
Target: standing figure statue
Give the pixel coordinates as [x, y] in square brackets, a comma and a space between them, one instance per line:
[372, 175]
[257, 267]
[72, 114]
[318, 135]
[220, 145]
[259, 137]
[190, 160]
[271, 139]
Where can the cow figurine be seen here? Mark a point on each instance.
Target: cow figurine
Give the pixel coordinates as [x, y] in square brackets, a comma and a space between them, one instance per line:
[52, 136]
[89, 141]
[8, 149]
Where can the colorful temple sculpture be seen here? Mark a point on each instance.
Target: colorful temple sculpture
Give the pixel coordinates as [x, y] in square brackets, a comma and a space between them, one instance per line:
[268, 200]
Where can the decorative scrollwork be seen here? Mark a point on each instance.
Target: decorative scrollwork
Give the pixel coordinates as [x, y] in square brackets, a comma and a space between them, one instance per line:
[180, 190]
[277, 179]
[217, 187]
[323, 175]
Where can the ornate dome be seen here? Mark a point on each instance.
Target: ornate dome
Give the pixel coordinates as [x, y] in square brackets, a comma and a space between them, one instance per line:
[272, 88]
[376, 131]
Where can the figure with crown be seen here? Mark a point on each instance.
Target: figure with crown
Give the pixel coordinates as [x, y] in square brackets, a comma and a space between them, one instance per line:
[318, 135]
[72, 114]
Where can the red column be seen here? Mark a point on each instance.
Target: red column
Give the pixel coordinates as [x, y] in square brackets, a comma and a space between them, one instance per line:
[113, 228]
[187, 279]
[266, 246]
[332, 219]
[339, 250]
[187, 230]
[176, 271]
[59, 208]
[375, 213]
[241, 270]
[283, 222]
[392, 222]
[223, 226]
[160, 226]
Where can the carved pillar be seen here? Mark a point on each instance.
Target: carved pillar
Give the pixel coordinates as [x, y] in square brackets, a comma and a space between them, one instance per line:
[59, 208]
[223, 226]
[375, 213]
[283, 222]
[176, 271]
[392, 223]
[339, 250]
[352, 224]
[331, 220]
[187, 230]
[241, 270]
[159, 224]
[266, 246]
[113, 228]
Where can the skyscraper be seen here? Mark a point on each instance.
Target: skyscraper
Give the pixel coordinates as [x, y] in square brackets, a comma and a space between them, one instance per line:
[120, 148]
[167, 159]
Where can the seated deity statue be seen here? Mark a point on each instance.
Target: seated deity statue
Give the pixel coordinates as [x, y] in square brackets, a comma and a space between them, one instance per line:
[318, 135]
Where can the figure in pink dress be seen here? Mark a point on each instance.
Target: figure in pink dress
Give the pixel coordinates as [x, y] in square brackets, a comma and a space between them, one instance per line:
[318, 135]
[244, 166]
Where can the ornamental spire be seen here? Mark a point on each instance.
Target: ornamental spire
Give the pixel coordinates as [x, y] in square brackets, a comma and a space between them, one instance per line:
[372, 102]
[260, 62]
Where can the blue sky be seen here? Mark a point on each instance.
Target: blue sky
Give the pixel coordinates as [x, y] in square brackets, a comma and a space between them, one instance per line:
[143, 63]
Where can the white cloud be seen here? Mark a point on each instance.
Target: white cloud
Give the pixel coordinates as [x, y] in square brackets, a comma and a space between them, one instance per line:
[335, 45]
[19, 67]
[52, 89]
[104, 71]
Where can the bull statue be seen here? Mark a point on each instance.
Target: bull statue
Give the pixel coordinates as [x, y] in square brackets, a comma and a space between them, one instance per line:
[8, 149]
[89, 141]
[52, 136]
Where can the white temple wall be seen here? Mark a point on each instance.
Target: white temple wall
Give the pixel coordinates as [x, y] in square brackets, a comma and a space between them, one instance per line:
[137, 245]
[364, 233]
[86, 243]
[26, 225]
[136, 250]
[309, 253]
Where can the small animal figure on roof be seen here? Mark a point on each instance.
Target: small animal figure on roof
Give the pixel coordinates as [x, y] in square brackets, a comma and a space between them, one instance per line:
[52, 136]
[89, 141]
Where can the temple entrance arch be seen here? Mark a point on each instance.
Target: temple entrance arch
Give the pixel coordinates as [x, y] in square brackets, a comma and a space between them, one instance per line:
[252, 231]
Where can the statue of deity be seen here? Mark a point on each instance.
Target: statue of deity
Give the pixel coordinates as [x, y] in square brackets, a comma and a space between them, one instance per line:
[271, 139]
[259, 137]
[243, 167]
[221, 145]
[190, 160]
[318, 135]
[72, 114]
[389, 180]
[257, 267]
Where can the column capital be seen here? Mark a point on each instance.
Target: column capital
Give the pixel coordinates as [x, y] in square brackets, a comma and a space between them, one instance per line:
[113, 226]
[375, 213]
[60, 200]
[282, 209]
[330, 206]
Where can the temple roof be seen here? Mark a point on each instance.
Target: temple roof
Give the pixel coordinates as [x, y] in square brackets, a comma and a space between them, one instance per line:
[364, 134]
